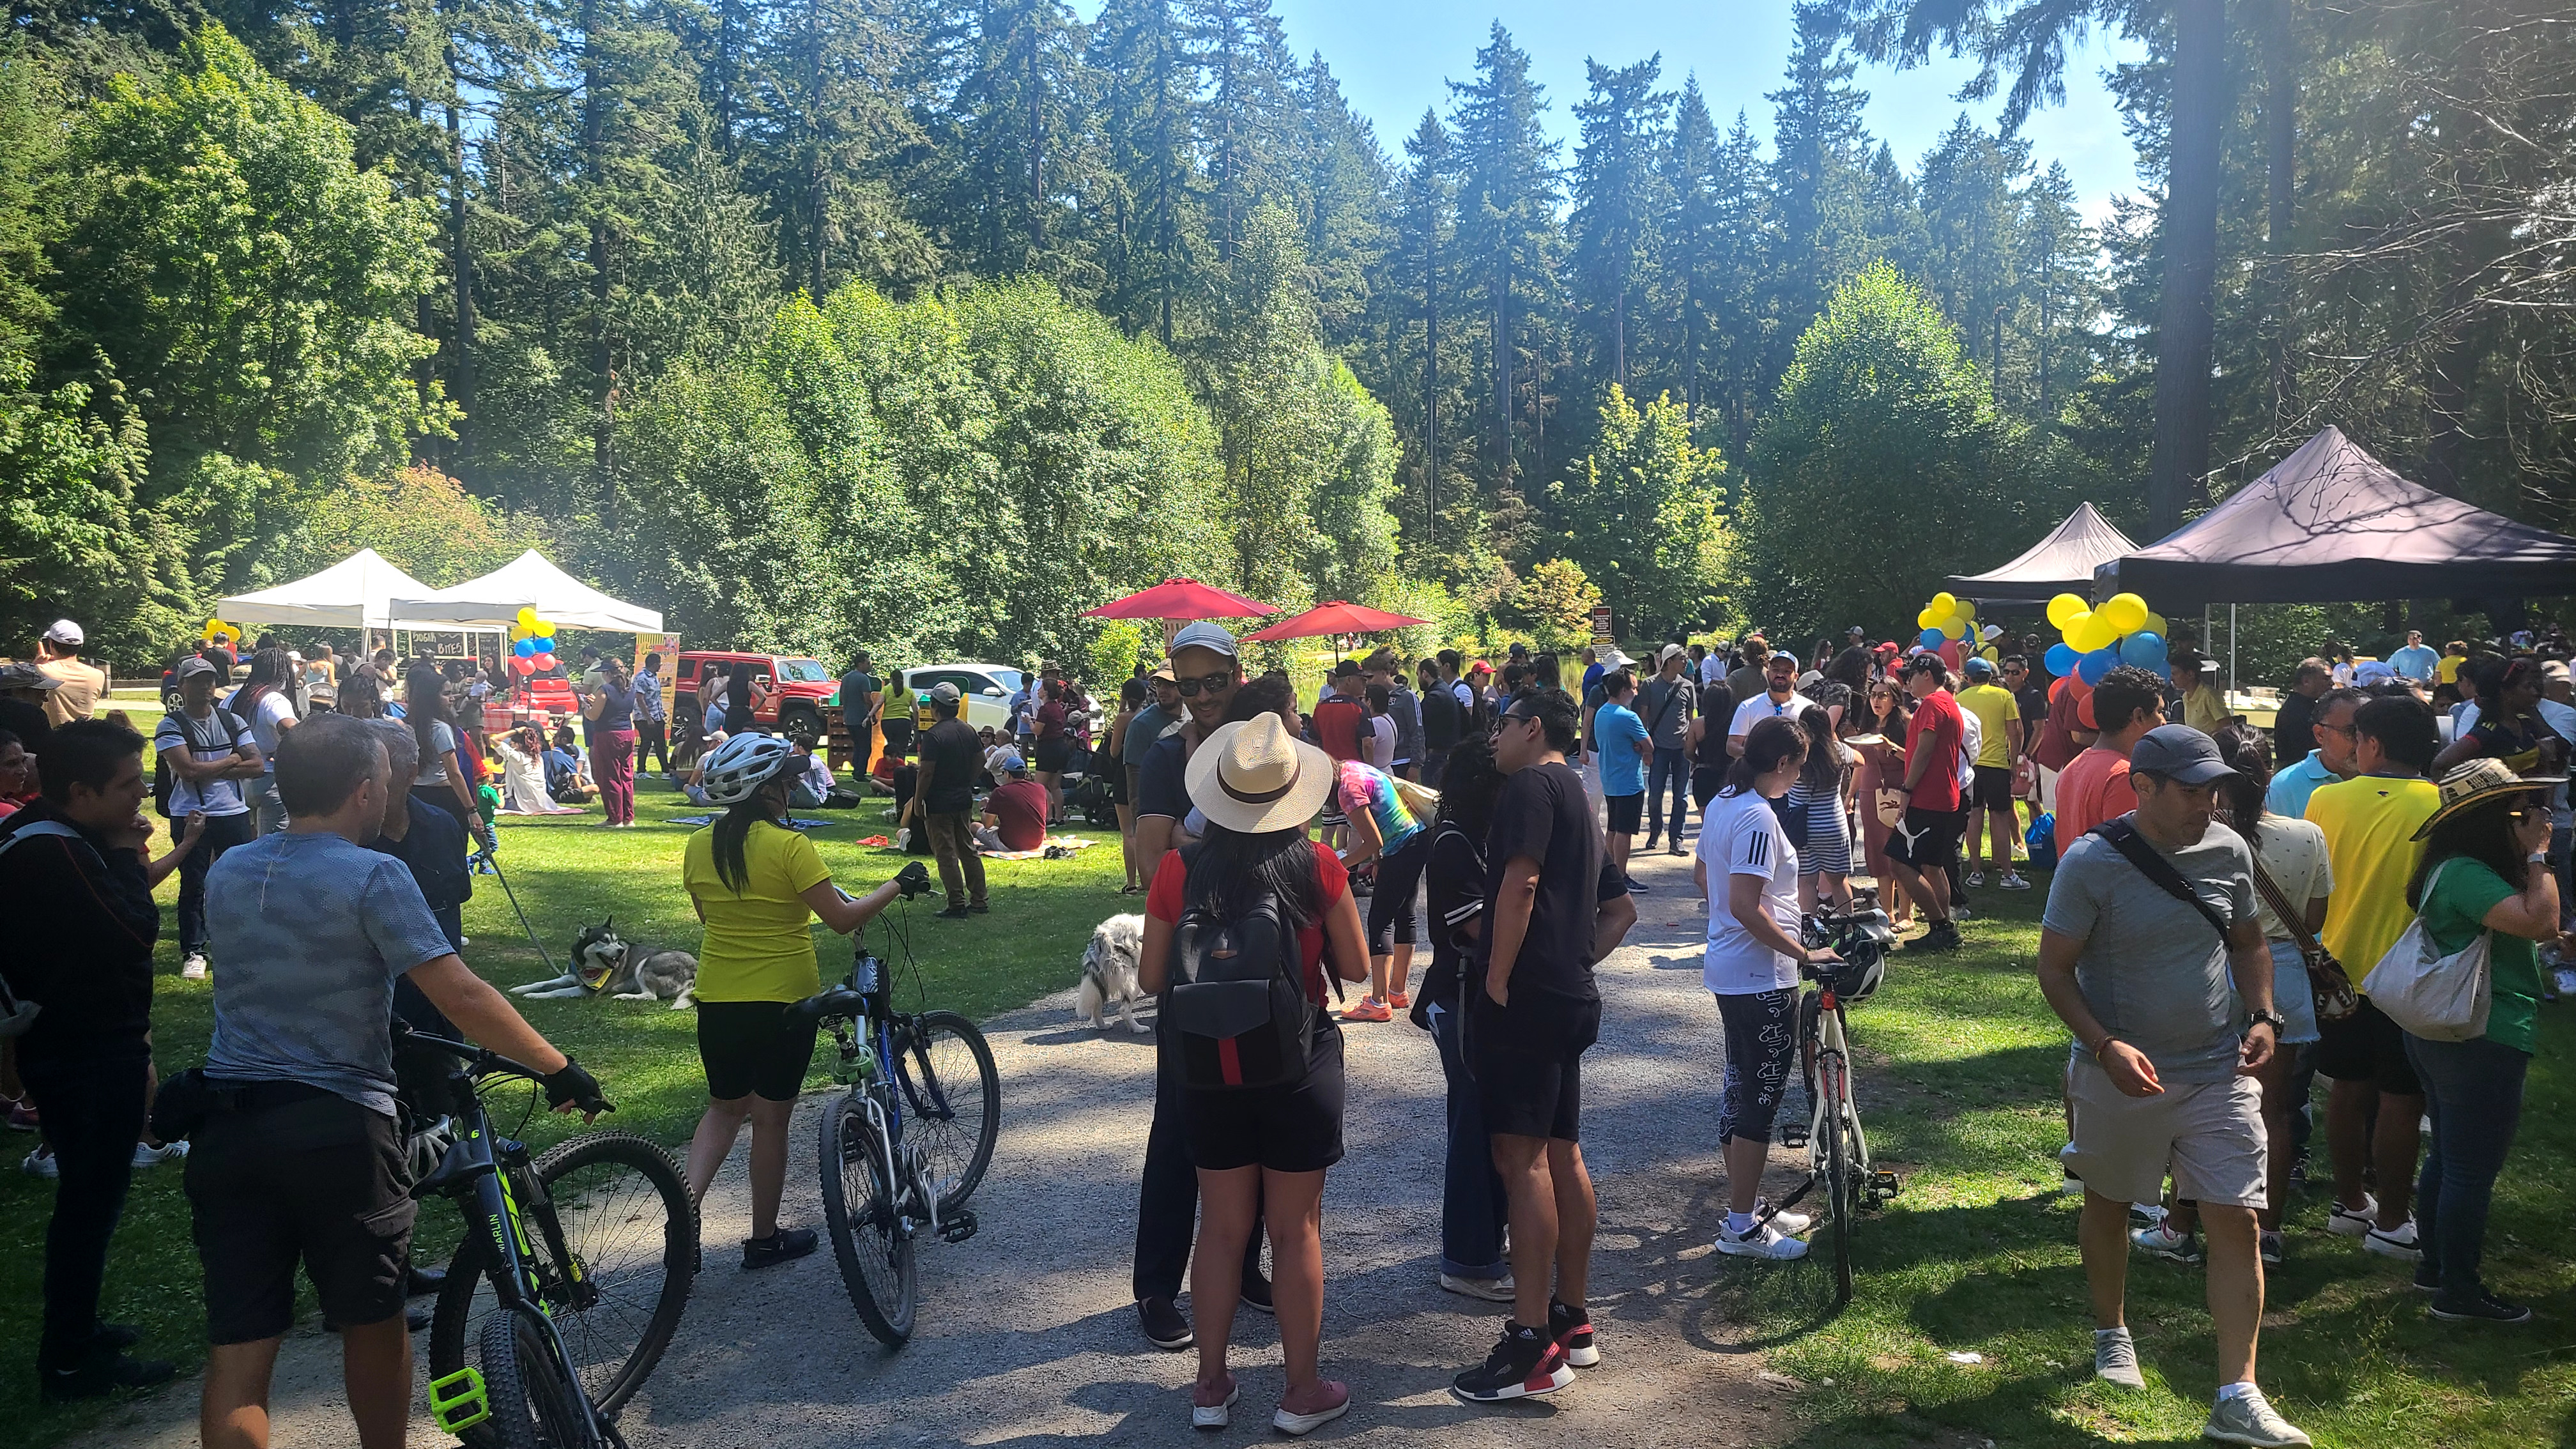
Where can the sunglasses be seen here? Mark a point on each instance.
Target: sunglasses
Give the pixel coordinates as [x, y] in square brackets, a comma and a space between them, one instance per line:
[1192, 684]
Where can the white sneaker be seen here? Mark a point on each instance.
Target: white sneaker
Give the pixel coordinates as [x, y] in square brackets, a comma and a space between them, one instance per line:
[147, 1155]
[1763, 1241]
[1492, 1290]
[1976, 880]
[1958, 912]
[2397, 1242]
[1792, 1223]
[2013, 882]
[2161, 1241]
[2249, 1418]
[39, 1163]
[194, 968]
[2354, 1222]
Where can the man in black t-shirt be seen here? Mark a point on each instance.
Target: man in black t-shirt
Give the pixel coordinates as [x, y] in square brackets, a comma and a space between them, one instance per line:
[944, 803]
[1555, 905]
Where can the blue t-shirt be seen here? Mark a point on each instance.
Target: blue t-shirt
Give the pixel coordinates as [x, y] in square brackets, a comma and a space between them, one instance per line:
[2415, 661]
[1618, 732]
[2290, 788]
[313, 929]
[434, 847]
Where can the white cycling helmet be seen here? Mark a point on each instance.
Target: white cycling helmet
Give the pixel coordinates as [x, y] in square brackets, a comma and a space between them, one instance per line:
[744, 763]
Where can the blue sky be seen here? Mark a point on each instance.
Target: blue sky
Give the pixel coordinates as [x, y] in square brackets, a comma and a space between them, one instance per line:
[1393, 58]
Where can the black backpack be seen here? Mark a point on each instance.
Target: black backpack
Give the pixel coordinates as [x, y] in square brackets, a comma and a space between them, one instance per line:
[164, 782]
[1236, 1006]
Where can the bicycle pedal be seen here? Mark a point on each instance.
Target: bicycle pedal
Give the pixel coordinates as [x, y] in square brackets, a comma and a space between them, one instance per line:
[1793, 1136]
[1884, 1186]
[958, 1228]
[458, 1401]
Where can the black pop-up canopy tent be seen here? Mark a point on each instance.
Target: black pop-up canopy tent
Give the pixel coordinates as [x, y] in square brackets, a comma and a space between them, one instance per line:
[2331, 524]
[2061, 563]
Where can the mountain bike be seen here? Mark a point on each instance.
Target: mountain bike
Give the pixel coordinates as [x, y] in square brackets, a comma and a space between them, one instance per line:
[573, 1271]
[904, 1147]
[1838, 1151]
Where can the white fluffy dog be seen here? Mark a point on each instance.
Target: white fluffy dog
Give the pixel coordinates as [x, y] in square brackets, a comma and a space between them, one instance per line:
[1109, 973]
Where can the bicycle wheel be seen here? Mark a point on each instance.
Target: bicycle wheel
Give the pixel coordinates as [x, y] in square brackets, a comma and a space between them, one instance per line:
[633, 1235]
[862, 1210]
[533, 1406]
[1841, 1195]
[953, 1096]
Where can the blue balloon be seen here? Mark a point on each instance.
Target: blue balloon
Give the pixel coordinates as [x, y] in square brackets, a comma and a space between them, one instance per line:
[2143, 649]
[525, 648]
[2060, 660]
[1932, 639]
[545, 645]
[2093, 666]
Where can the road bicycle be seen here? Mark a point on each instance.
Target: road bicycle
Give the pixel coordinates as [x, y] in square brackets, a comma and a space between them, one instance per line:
[1838, 1150]
[905, 1145]
[573, 1271]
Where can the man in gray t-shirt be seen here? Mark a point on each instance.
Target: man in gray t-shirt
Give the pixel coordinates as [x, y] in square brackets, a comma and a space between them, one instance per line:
[1666, 704]
[2162, 1080]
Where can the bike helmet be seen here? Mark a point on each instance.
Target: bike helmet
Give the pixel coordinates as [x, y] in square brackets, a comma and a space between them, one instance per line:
[744, 763]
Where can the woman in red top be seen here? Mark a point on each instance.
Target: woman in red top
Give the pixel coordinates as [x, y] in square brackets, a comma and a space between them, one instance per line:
[1265, 1147]
[1054, 746]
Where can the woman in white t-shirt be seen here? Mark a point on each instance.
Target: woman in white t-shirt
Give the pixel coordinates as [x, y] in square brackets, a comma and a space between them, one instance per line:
[266, 703]
[1380, 743]
[1748, 869]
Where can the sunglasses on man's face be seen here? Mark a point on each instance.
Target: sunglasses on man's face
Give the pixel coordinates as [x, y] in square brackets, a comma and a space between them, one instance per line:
[1192, 684]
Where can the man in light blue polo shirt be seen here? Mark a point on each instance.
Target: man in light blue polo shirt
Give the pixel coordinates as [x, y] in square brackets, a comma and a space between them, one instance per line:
[2332, 759]
[2415, 661]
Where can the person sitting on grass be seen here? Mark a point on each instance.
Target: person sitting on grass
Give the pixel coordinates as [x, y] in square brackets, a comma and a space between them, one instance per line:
[1015, 813]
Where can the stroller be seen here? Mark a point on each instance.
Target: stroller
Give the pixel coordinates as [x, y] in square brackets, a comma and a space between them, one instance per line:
[1087, 790]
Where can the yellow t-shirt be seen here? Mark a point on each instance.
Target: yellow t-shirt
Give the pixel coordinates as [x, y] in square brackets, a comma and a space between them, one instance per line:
[2370, 824]
[2447, 669]
[757, 946]
[1992, 704]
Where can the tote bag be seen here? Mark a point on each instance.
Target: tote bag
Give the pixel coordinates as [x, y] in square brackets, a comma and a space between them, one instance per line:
[2436, 997]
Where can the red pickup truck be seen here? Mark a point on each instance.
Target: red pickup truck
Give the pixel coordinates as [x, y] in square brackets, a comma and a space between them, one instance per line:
[790, 689]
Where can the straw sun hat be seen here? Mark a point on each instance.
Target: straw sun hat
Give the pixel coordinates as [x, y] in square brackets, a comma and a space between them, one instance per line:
[1254, 776]
[2474, 782]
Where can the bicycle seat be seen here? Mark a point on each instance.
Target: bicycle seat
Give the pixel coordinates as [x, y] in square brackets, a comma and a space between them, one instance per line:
[837, 1001]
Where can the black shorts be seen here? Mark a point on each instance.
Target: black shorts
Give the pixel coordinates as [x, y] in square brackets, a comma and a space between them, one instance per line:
[317, 1180]
[1706, 781]
[1626, 812]
[1293, 1128]
[1993, 789]
[2367, 1047]
[1927, 839]
[1053, 755]
[1528, 1061]
[752, 1048]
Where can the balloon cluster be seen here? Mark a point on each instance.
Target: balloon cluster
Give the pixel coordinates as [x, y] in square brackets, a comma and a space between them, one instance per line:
[220, 633]
[532, 644]
[1948, 623]
[2123, 631]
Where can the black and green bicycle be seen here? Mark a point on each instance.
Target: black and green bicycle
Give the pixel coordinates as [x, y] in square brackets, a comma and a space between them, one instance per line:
[571, 1277]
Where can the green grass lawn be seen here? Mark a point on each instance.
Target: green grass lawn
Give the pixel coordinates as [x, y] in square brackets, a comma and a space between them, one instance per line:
[567, 873]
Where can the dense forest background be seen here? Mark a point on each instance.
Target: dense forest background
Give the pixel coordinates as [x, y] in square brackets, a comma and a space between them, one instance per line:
[924, 325]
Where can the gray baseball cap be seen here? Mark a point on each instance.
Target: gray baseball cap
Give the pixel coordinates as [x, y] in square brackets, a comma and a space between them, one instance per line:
[2178, 753]
[944, 693]
[1200, 634]
[192, 666]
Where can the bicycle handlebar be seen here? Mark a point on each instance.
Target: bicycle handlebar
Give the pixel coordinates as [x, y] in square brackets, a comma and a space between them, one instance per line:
[480, 1061]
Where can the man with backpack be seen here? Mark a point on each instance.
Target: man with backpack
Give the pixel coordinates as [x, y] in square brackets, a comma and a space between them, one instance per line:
[1666, 704]
[201, 755]
[1555, 904]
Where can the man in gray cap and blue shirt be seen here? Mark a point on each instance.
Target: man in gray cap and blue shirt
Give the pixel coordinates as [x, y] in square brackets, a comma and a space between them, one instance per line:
[2150, 920]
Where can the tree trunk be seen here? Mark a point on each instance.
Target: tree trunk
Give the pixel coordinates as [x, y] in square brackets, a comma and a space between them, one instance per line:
[1431, 386]
[460, 270]
[2281, 158]
[594, 139]
[2180, 457]
[1503, 380]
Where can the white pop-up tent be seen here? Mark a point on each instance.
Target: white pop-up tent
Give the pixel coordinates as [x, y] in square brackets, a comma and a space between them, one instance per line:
[355, 593]
[491, 604]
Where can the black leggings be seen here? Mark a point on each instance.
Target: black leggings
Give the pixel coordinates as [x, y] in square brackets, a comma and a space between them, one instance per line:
[1761, 1041]
[1391, 903]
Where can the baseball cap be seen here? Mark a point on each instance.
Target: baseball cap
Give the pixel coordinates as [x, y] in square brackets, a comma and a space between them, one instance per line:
[1163, 673]
[1009, 762]
[192, 666]
[944, 693]
[64, 631]
[1979, 668]
[1200, 634]
[2178, 753]
[1669, 653]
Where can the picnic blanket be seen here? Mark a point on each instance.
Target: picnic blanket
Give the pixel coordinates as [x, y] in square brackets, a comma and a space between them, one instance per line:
[1066, 843]
[796, 823]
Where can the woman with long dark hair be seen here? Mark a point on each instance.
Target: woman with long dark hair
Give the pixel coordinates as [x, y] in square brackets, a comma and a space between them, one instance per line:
[1747, 866]
[1474, 1207]
[2484, 871]
[1265, 1147]
[1886, 713]
[754, 883]
[1131, 698]
[2509, 726]
[1054, 745]
[440, 782]
[266, 703]
[1706, 741]
[611, 712]
[1817, 811]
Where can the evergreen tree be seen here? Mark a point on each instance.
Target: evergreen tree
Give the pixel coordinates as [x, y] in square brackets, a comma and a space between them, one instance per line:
[1815, 176]
[1156, 225]
[1971, 216]
[1247, 120]
[1507, 236]
[1618, 203]
[1340, 183]
[1022, 177]
[1640, 515]
[1424, 366]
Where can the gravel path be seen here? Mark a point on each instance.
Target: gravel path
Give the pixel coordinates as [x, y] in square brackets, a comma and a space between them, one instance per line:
[1026, 1333]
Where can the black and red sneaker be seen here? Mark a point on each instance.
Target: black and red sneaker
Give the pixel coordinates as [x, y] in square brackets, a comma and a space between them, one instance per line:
[1573, 1334]
[1525, 1364]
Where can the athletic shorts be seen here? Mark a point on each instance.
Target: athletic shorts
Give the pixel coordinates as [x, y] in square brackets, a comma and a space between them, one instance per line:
[1291, 1128]
[2367, 1047]
[1928, 839]
[2209, 1134]
[1761, 1042]
[1626, 812]
[1053, 755]
[1528, 1061]
[317, 1181]
[1992, 789]
[752, 1048]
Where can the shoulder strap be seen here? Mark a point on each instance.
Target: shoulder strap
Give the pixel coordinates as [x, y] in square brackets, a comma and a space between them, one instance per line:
[2287, 910]
[1670, 695]
[2125, 839]
[32, 829]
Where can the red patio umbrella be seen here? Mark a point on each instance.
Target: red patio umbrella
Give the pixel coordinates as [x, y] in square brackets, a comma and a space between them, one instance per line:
[1336, 617]
[1182, 599]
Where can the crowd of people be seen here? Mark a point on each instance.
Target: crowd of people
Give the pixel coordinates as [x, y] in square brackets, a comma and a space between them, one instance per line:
[2217, 898]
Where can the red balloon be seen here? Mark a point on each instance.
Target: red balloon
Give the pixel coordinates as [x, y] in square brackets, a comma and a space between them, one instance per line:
[2057, 689]
[529, 666]
[2082, 690]
[1952, 653]
[545, 661]
[2084, 713]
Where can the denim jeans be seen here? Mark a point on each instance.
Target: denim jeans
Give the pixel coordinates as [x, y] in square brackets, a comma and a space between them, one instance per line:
[1671, 770]
[264, 801]
[1473, 1205]
[222, 833]
[2473, 1091]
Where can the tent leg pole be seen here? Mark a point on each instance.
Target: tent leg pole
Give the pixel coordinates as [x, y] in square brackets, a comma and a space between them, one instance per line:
[2231, 649]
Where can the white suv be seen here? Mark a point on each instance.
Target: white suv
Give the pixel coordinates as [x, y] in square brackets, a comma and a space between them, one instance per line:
[986, 690]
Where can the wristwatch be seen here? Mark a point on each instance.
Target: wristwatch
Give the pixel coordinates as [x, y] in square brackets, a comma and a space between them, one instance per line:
[2272, 1019]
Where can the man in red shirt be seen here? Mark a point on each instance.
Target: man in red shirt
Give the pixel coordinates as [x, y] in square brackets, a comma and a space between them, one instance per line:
[2095, 787]
[1015, 813]
[1339, 715]
[1919, 849]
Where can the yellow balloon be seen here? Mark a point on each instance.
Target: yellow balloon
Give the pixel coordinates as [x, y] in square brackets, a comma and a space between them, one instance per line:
[2097, 632]
[2155, 625]
[1952, 627]
[1967, 609]
[1923, 619]
[1944, 605]
[2127, 613]
[2064, 610]
[527, 618]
